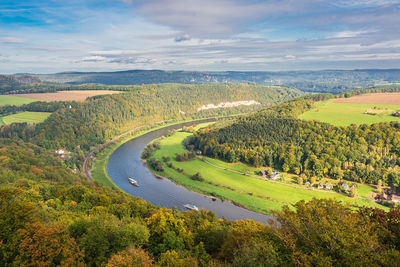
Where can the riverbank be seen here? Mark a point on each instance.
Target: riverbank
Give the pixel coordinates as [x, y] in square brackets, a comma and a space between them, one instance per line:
[96, 165]
[237, 182]
[125, 162]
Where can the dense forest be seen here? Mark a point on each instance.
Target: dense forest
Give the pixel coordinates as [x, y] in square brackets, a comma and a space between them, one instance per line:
[78, 126]
[50, 216]
[275, 137]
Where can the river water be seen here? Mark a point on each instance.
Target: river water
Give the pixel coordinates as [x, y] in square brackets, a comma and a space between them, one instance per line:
[125, 162]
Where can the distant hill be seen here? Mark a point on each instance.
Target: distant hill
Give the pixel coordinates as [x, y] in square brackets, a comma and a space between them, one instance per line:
[12, 80]
[333, 81]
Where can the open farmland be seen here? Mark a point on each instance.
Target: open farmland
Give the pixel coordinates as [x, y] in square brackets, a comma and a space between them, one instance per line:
[375, 98]
[68, 95]
[14, 100]
[339, 113]
[29, 117]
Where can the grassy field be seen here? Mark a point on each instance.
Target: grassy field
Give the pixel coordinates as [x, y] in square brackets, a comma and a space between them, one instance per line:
[14, 100]
[29, 117]
[344, 114]
[253, 193]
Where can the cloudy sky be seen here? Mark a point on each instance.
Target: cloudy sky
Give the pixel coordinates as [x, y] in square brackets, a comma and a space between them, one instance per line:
[47, 36]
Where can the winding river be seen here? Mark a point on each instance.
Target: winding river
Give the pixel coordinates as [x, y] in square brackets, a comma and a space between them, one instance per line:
[125, 162]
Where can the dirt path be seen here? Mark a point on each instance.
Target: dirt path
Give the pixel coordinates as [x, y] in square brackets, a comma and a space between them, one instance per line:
[258, 177]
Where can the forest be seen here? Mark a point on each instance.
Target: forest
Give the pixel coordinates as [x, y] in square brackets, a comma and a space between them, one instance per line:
[274, 137]
[79, 126]
[50, 216]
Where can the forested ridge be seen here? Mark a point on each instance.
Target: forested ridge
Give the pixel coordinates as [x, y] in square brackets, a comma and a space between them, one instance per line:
[328, 81]
[275, 137]
[87, 124]
[325, 81]
[52, 217]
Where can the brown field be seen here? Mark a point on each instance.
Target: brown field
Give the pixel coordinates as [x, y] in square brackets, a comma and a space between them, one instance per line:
[375, 98]
[68, 95]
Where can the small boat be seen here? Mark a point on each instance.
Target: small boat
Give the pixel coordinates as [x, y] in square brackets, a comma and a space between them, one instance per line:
[133, 181]
[191, 207]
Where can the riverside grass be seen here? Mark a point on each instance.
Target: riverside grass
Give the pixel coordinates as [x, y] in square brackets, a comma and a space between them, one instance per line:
[344, 114]
[250, 192]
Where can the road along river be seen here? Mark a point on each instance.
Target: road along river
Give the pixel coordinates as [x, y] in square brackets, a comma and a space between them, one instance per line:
[125, 162]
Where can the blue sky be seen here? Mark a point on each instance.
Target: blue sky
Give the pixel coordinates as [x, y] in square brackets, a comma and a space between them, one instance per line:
[106, 35]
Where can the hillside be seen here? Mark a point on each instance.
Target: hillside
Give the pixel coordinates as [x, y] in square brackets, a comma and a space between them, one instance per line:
[275, 137]
[328, 81]
[333, 81]
[87, 124]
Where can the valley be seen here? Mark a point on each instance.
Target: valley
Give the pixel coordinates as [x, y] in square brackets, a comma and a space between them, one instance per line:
[241, 183]
[201, 133]
[223, 183]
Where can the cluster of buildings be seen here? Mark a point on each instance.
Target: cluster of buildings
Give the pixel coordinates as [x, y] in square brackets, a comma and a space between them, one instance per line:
[273, 176]
[388, 197]
[396, 114]
[62, 153]
[343, 186]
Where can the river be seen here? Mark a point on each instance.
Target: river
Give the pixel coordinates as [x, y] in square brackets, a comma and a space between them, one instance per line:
[125, 162]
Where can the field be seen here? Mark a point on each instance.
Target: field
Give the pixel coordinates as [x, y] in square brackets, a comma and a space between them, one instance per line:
[29, 117]
[375, 98]
[14, 100]
[341, 113]
[68, 95]
[222, 180]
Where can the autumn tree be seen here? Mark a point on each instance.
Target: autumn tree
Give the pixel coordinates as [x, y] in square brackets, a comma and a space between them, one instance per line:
[167, 232]
[47, 246]
[132, 257]
[326, 232]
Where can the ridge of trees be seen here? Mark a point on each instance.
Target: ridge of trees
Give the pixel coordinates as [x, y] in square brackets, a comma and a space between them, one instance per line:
[274, 137]
[79, 126]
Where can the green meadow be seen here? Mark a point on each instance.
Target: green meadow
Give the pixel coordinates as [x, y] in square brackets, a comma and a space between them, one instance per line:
[15, 100]
[344, 114]
[29, 117]
[241, 188]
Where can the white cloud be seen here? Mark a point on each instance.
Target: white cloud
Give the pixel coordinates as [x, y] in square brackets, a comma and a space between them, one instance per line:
[207, 35]
[11, 40]
[347, 34]
[93, 59]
